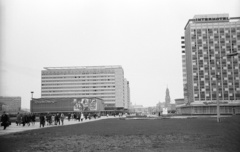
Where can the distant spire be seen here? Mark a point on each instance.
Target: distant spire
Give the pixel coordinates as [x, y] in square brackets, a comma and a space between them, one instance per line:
[167, 98]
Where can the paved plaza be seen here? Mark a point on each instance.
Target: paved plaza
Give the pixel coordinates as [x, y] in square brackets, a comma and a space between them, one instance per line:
[201, 134]
[13, 128]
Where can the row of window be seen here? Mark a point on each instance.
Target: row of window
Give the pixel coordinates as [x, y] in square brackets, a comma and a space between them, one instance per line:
[215, 51]
[225, 81]
[215, 47]
[206, 61]
[77, 76]
[213, 89]
[212, 72]
[78, 87]
[70, 72]
[212, 66]
[224, 37]
[221, 30]
[208, 98]
[100, 80]
[213, 79]
[214, 93]
[214, 42]
[75, 95]
[79, 84]
[53, 91]
[214, 97]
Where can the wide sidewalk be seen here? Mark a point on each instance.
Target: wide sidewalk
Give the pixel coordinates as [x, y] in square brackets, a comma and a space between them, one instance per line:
[13, 128]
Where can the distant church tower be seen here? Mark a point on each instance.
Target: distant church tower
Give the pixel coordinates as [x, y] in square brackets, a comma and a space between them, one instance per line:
[167, 100]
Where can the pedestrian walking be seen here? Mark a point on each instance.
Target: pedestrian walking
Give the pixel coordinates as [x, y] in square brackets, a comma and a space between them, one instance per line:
[42, 120]
[19, 119]
[62, 118]
[82, 116]
[33, 118]
[57, 119]
[69, 116]
[75, 116]
[28, 119]
[49, 118]
[5, 120]
[79, 116]
[89, 116]
[24, 119]
[53, 119]
[72, 116]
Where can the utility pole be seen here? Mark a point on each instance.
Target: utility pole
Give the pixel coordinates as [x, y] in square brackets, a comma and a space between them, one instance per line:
[32, 94]
[217, 91]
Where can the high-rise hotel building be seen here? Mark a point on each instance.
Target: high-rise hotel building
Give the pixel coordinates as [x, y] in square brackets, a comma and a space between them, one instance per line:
[209, 39]
[105, 82]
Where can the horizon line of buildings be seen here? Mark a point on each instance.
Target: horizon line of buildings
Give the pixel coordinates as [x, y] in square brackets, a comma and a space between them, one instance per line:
[209, 74]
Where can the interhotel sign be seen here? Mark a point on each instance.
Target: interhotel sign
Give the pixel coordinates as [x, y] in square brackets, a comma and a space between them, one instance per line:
[215, 19]
[44, 101]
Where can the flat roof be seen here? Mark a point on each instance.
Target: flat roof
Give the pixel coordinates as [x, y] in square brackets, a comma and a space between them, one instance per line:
[10, 97]
[83, 67]
[64, 98]
[210, 18]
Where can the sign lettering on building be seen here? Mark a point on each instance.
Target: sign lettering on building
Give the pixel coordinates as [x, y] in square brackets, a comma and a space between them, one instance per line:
[44, 101]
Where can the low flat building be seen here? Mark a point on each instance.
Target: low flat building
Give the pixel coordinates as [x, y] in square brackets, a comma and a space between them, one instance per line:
[66, 105]
[10, 104]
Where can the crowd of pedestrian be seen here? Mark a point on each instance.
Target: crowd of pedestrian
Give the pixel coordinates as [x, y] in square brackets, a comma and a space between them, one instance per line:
[26, 119]
[51, 119]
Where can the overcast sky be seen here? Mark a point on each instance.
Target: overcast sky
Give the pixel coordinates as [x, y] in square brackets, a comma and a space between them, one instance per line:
[143, 36]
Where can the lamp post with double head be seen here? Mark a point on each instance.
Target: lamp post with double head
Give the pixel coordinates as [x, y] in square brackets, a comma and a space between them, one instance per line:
[32, 94]
[217, 76]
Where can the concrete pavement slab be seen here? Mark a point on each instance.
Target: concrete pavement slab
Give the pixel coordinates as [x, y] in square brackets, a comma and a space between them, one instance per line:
[13, 128]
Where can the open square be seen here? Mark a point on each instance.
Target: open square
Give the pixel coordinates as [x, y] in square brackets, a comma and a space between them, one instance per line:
[195, 134]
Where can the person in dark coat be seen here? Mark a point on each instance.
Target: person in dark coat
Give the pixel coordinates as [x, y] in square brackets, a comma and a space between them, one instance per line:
[95, 115]
[19, 119]
[49, 119]
[5, 120]
[89, 116]
[85, 115]
[79, 116]
[69, 116]
[33, 118]
[28, 119]
[42, 120]
[24, 119]
[75, 116]
[57, 119]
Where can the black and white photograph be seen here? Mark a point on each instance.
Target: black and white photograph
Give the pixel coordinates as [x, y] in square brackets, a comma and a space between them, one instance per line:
[119, 75]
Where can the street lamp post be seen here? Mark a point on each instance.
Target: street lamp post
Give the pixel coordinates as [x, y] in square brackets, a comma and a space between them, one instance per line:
[159, 107]
[218, 104]
[32, 94]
